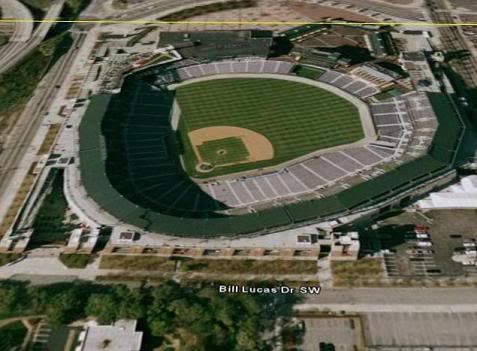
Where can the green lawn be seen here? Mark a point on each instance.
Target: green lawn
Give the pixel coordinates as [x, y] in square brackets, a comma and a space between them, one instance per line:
[297, 118]
[49, 226]
[223, 151]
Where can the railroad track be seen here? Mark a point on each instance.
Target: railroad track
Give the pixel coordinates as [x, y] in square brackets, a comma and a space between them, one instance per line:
[453, 41]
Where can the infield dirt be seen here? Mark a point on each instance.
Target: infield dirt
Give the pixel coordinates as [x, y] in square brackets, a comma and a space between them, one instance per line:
[258, 146]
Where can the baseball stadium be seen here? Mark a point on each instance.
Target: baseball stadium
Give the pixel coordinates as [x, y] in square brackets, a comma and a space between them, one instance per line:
[238, 146]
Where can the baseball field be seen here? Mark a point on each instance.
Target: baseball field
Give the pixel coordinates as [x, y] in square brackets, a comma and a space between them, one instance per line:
[239, 124]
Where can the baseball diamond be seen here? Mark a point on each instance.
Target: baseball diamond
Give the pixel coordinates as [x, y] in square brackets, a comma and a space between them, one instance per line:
[222, 146]
[223, 151]
[296, 118]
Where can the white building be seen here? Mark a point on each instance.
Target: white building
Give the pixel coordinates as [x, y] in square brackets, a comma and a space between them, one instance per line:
[462, 195]
[121, 336]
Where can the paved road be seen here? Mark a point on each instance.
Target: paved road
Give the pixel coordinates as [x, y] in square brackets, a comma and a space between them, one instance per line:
[12, 9]
[43, 267]
[160, 8]
[23, 30]
[395, 296]
[389, 308]
[408, 12]
[25, 129]
[20, 50]
[366, 300]
[166, 6]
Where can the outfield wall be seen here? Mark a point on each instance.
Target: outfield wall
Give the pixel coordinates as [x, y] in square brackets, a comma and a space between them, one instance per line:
[394, 183]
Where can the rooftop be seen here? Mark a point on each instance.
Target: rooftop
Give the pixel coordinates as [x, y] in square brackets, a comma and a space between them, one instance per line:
[461, 195]
[121, 336]
[216, 44]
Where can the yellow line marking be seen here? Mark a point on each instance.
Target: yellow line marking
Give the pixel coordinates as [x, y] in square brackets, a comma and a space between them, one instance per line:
[273, 23]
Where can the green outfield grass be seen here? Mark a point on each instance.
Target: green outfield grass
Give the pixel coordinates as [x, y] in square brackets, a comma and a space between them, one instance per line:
[297, 118]
[222, 151]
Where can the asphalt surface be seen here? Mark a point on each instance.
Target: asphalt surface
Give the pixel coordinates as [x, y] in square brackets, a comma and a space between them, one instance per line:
[20, 49]
[23, 30]
[23, 132]
[432, 329]
[26, 128]
[395, 296]
[13, 9]
[414, 14]
[163, 7]
[169, 5]
[392, 300]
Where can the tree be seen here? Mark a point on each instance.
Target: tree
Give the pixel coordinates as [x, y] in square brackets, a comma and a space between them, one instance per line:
[64, 308]
[190, 314]
[161, 323]
[214, 322]
[103, 307]
[220, 337]
[246, 341]
[9, 299]
[38, 299]
[132, 305]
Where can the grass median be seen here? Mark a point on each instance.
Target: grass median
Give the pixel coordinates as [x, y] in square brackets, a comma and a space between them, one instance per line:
[364, 272]
[209, 266]
[76, 260]
[137, 263]
[220, 266]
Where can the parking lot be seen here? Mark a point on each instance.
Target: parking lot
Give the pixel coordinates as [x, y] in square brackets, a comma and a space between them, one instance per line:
[420, 329]
[430, 254]
[415, 264]
[344, 333]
